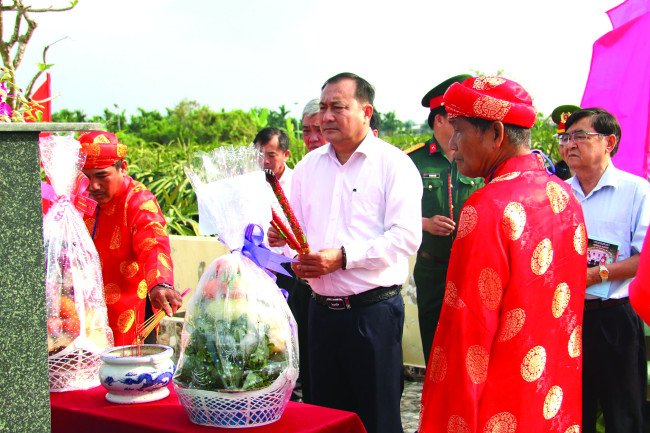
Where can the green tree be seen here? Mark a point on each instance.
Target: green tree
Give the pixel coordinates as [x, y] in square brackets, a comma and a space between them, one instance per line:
[151, 127]
[190, 121]
[543, 137]
[113, 122]
[390, 124]
[277, 119]
[260, 117]
[66, 116]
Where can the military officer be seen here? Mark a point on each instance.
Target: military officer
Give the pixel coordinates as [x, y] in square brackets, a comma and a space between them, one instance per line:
[559, 117]
[445, 191]
[561, 114]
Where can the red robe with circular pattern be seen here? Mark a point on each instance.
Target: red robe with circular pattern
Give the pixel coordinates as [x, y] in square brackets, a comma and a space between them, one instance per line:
[507, 351]
[134, 252]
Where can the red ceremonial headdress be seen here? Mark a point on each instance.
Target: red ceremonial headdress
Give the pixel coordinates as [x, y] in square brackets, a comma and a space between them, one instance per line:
[491, 98]
[102, 149]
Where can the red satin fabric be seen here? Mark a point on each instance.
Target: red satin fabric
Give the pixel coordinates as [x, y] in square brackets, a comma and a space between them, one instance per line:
[134, 251]
[492, 98]
[640, 286]
[102, 149]
[507, 351]
[89, 411]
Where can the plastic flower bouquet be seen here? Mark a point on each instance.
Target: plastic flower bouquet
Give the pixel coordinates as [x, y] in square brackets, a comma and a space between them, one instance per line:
[238, 361]
[77, 324]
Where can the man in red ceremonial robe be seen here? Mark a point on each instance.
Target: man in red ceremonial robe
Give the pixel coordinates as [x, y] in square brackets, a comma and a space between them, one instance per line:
[506, 356]
[129, 232]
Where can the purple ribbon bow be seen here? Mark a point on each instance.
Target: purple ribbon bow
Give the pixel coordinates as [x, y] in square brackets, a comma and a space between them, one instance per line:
[259, 253]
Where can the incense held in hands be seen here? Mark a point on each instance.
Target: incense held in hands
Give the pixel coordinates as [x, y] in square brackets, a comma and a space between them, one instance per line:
[284, 231]
[286, 208]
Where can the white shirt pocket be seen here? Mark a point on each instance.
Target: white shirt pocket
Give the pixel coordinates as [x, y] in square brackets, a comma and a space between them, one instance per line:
[365, 208]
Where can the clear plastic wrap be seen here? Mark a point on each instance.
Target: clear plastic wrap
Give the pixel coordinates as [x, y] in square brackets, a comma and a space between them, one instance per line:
[239, 339]
[237, 336]
[231, 191]
[77, 321]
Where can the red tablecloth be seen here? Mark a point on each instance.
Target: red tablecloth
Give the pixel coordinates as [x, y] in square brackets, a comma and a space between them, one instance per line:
[89, 411]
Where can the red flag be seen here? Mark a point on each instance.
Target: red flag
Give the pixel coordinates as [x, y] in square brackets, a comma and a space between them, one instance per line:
[619, 81]
[43, 94]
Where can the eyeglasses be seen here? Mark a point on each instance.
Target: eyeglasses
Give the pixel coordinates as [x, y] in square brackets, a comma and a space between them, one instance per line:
[578, 137]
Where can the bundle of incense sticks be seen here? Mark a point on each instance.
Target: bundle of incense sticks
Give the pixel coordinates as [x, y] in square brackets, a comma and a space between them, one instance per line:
[282, 229]
[451, 203]
[143, 330]
[286, 208]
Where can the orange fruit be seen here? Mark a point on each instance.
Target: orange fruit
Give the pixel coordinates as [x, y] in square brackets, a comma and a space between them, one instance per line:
[68, 309]
[71, 326]
[209, 289]
[54, 326]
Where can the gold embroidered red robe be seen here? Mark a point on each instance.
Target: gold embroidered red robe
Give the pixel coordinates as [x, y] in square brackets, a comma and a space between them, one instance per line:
[133, 246]
[507, 352]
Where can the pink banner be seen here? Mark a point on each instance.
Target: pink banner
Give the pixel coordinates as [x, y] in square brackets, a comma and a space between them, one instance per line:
[619, 81]
[627, 11]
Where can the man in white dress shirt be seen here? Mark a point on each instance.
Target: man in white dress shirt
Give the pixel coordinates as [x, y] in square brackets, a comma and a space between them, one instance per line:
[274, 145]
[358, 201]
[311, 133]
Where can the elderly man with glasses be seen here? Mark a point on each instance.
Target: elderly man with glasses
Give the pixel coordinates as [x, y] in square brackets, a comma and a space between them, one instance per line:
[616, 210]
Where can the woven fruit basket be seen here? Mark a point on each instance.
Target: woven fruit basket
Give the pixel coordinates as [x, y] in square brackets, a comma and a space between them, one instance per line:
[239, 360]
[238, 408]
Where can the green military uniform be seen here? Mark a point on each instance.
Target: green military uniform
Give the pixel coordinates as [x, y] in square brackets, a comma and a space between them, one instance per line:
[430, 271]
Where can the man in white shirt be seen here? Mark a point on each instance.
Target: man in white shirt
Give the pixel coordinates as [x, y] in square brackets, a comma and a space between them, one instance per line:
[274, 144]
[358, 201]
[616, 207]
[311, 133]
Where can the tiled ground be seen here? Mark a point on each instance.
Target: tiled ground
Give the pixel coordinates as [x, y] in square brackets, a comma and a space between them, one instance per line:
[411, 405]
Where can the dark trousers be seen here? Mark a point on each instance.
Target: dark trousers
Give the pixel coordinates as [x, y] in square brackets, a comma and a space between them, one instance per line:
[299, 295]
[356, 361]
[299, 305]
[430, 279]
[148, 313]
[614, 369]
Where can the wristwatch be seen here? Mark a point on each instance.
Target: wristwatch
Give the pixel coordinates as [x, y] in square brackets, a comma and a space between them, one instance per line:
[604, 273]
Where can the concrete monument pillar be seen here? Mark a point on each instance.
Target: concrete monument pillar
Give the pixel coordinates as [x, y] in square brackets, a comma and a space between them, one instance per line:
[24, 386]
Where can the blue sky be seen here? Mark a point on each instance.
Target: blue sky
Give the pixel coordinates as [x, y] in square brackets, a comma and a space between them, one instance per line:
[245, 53]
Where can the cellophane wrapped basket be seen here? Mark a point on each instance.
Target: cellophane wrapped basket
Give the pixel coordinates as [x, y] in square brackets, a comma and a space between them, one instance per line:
[239, 359]
[77, 321]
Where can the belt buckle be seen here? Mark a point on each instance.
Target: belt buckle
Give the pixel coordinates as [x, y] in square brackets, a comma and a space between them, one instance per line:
[337, 303]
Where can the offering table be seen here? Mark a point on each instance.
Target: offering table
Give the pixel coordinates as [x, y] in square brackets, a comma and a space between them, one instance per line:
[84, 411]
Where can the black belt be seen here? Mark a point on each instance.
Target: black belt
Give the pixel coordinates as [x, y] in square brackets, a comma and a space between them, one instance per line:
[599, 304]
[429, 257]
[369, 297]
